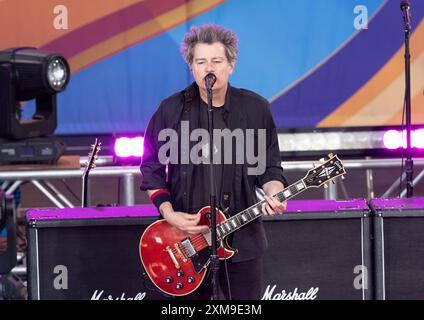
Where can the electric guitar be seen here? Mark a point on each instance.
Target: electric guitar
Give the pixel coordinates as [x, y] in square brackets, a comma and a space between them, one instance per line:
[177, 262]
[91, 163]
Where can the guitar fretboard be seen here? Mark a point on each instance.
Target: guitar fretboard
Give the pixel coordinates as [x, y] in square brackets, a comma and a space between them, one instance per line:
[244, 217]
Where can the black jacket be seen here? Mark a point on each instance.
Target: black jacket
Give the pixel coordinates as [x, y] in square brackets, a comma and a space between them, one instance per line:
[243, 109]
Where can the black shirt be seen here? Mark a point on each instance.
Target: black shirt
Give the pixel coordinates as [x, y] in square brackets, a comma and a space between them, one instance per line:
[243, 110]
[201, 172]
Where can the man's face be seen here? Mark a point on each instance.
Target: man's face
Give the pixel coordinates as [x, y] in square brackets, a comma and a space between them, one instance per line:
[211, 58]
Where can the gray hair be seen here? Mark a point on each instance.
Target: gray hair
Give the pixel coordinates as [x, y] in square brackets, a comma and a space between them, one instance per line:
[209, 33]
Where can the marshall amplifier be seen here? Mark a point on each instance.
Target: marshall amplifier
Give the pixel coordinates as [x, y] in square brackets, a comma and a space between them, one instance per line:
[399, 248]
[88, 253]
[319, 250]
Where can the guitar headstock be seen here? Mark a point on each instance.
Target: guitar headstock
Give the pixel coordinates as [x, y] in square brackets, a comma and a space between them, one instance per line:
[330, 169]
[93, 155]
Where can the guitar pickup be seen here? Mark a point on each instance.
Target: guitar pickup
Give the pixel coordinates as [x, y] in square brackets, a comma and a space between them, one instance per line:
[188, 247]
[180, 253]
[171, 254]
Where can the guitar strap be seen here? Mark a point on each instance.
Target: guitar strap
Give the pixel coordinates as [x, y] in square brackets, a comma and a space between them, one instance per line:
[232, 173]
[226, 201]
[189, 113]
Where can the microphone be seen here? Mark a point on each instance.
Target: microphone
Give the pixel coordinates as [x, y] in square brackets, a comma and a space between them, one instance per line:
[404, 7]
[210, 80]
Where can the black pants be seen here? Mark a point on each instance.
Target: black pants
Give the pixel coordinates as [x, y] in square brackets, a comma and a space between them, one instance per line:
[245, 278]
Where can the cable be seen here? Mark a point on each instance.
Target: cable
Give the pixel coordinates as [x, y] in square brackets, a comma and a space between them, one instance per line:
[228, 277]
[225, 262]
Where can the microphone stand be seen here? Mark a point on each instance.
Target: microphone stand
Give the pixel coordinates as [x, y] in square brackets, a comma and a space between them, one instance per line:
[214, 260]
[409, 162]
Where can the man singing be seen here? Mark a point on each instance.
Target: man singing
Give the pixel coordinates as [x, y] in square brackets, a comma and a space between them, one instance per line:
[180, 188]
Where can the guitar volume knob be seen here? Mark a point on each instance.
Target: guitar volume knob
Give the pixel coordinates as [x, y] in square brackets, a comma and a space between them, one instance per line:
[179, 286]
[180, 273]
[190, 280]
[169, 280]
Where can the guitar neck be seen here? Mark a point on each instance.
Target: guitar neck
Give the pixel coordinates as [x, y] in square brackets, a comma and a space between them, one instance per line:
[252, 213]
[90, 164]
[84, 190]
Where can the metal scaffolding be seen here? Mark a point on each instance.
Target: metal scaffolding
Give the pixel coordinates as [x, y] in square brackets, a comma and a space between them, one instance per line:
[128, 174]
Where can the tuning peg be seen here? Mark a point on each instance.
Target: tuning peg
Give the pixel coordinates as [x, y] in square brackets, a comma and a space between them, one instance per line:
[322, 160]
[333, 182]
[342, 177]
[325, 186]
[330, 155]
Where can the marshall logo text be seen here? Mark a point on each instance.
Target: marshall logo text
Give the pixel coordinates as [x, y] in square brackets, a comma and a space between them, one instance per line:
[98, 295]
[270, 294]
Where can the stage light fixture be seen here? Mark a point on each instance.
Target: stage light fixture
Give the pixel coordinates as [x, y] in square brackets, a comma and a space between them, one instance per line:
[355, 141]
[129, 149]
[394, 139]
[419, 138]
[26, 74]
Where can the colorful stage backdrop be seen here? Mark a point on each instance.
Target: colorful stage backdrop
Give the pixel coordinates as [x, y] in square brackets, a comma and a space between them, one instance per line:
[321, 63]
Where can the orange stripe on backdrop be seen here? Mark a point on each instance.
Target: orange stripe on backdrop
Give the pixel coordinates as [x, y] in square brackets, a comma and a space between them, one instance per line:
[389, 102]
[417, 115]
[385, 89]
[141, 32]
[30, 23]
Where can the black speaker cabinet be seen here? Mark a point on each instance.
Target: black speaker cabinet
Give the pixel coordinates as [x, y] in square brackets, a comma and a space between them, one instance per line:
[319, 250]
[399, 248]
[90, 253]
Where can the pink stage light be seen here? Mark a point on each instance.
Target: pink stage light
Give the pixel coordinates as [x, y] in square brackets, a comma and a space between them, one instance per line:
[394, 139]
[138, 146]
[129, 147]
[418, 138]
